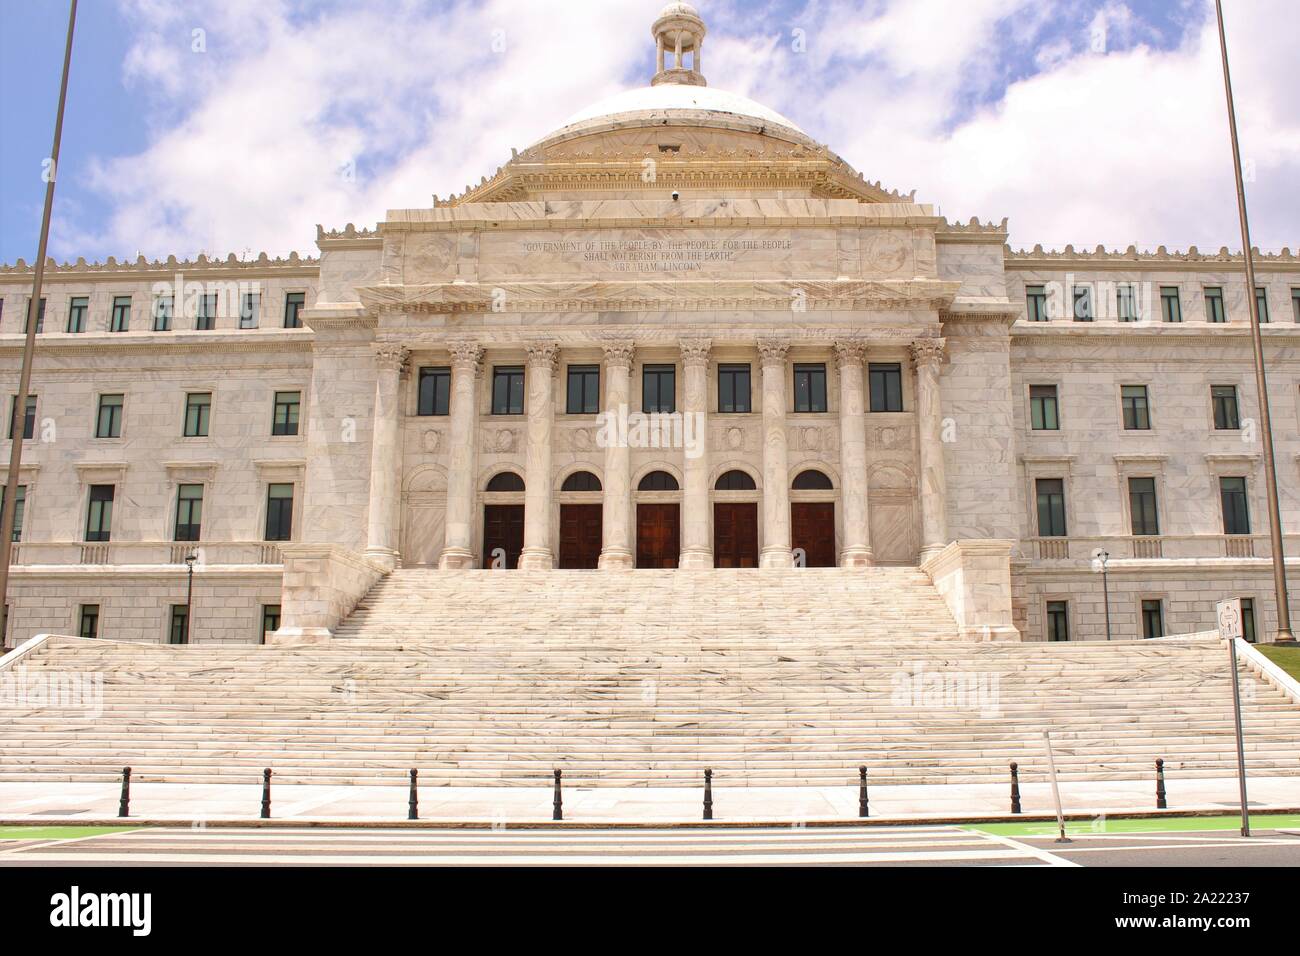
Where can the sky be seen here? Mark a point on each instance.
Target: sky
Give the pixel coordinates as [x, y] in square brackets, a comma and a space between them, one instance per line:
[234, 126]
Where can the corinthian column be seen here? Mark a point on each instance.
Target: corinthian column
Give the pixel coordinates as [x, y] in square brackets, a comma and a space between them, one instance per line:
[616, 515]
[384, 514]
[775, 552]
[456, 553]
[927, 356]
[856, 552]
[697, 546]
[538, 554]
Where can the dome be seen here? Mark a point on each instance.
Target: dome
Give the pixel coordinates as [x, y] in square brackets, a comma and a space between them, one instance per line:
[673, 99]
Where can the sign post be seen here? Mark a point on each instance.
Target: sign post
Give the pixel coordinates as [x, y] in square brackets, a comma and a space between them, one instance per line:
[1228, 614]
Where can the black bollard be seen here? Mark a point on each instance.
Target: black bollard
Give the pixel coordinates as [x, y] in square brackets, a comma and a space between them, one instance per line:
[413, 805]
[708, 794]
[1161, 802]
[124, 804]
[266, 794]
[862, 791]
[1015, 787]
[557, 805]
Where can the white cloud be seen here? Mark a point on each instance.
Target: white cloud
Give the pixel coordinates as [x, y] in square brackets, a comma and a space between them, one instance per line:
[1130, 146]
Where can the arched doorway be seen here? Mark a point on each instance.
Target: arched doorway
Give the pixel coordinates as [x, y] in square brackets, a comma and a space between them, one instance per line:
[658, 521]
[503, 520]
[812, 519]
[580, 521]
[735, 521]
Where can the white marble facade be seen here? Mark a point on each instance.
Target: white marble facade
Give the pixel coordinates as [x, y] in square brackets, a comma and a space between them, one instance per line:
[672, 229]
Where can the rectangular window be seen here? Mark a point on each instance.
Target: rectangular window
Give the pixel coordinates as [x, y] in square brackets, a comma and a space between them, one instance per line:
[206, 316]
[1036, 303]
[99, 513]
[1295, 305]
[1153, 618]
[584, 390]
[29, 419]
[1058, 620]
[1126, 302]
[120, 318]
[284, 419]
[1248, 619]
[734, 390]
[40, 318]
[1051, 507]
[1261, 303]
[1137, 413]
[163, 306]
[89, 624]
[1214, 304]
[659, 389]
[508, 390]
[810, 388]
[279, 512]
[886, 381]
[1171, 307]
[435, 392]
[270, 621]
[293, 303]
[179, 631]
[19, 508]
[1226, 416]
[1142, 506]
[1082, 304]
[250, 310]
[78, 305]
[189, 512]
[1043, 414]
[1236, 510]
[198, 410]
[108, 424]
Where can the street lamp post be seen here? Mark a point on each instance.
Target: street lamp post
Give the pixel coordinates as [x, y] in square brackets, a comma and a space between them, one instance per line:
[1102, 558]
[189, 593]
[1284, 635]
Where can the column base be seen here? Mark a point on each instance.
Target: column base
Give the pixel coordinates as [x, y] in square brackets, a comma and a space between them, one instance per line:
[615, 559]
[536, 559]
[776, 558]
[702, 558]
[856, 558]
[929, 551]
[386, 558]
[455, 559]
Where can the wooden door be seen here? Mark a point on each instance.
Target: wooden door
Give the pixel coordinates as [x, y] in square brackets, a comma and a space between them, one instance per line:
[503, 528]
[812, 527]
[580, 536]
[735, 535]
[658, 536]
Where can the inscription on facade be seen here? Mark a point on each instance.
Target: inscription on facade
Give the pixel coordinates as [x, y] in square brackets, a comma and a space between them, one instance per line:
[654, 255]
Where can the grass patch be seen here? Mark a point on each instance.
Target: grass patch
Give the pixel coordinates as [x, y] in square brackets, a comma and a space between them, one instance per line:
[1264, 821]
[1287, 658]
[56, 833]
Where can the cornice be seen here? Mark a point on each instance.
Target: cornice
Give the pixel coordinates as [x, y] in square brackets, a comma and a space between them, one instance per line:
[630, 338]
[668, 294]
[1037, 259]
[973, 231]
[161, 343]
[1186, 332]
[142, 268]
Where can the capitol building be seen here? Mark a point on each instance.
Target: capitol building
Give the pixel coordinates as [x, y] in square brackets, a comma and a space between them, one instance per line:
[675, 333]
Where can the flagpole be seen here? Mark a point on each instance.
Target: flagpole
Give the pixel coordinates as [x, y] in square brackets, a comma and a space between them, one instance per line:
[1284, 635]
[18, 421]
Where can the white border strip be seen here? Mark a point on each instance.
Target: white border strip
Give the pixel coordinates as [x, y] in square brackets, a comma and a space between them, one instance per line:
[1266, 669]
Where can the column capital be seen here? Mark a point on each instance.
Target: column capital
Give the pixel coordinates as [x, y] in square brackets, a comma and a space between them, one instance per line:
[618, 352]
[465, 354]
[390, 356]
[773, 350]
[927, 352]
[695, 351]
[850, 353]
[543, 355]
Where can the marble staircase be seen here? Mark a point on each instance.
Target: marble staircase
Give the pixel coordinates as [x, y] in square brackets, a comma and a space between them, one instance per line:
[491, 681]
